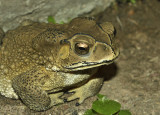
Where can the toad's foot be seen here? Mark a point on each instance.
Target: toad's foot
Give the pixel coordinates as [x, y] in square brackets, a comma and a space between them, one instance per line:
[55, 98]
[89, 89]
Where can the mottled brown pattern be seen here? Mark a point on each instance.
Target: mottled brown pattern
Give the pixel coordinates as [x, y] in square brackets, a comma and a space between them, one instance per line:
[39, 61]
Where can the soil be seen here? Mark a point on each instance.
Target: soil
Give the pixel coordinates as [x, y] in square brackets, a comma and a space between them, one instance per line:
[134, 78]
[136, 84]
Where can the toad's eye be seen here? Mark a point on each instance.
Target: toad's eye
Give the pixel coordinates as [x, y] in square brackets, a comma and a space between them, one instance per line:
[81, 48]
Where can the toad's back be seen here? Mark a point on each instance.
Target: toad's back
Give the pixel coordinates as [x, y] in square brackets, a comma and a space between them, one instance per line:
[17, 55]
[16, 49]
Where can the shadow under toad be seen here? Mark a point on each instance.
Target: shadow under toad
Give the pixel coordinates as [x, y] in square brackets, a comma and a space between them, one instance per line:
[108, 71]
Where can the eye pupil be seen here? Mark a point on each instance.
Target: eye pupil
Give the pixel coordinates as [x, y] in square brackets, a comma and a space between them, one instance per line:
[81, 48]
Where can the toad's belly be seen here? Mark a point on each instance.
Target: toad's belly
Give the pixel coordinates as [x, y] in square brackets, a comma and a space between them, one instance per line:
[6, 88]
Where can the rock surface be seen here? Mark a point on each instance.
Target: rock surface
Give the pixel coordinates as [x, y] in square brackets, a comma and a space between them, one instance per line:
[13, 12]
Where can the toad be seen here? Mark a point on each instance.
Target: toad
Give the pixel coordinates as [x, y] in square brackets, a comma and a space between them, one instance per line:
[39, 62]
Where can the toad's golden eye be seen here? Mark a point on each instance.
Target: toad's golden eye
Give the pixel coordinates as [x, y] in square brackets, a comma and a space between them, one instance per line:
[81, 48]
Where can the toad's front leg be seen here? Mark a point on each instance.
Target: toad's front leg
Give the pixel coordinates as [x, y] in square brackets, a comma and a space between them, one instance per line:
[29, 88]
[89, 89]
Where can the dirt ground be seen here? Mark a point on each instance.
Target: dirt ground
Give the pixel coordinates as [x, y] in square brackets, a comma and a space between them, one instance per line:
[134, 78]
[136, 84]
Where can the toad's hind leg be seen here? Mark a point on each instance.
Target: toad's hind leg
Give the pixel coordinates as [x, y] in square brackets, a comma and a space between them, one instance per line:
[29, 89]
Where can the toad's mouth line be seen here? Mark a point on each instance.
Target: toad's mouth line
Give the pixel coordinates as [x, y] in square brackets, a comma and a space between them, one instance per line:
[87, 65]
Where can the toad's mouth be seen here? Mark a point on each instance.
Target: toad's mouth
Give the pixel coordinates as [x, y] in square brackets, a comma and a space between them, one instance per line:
[87, 65]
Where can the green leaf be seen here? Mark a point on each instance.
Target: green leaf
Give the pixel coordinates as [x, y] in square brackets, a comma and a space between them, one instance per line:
[106, 107]
[51, 20]
[125, 112]
[101, 97]
[89, 112]
[61, 22]
[133, 1]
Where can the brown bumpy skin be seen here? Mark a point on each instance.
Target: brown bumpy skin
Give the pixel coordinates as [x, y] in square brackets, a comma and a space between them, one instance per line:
[40, 61]
[29, 87]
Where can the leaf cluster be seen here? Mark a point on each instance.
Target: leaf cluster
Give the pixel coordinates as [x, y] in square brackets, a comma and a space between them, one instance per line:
[104, 106]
